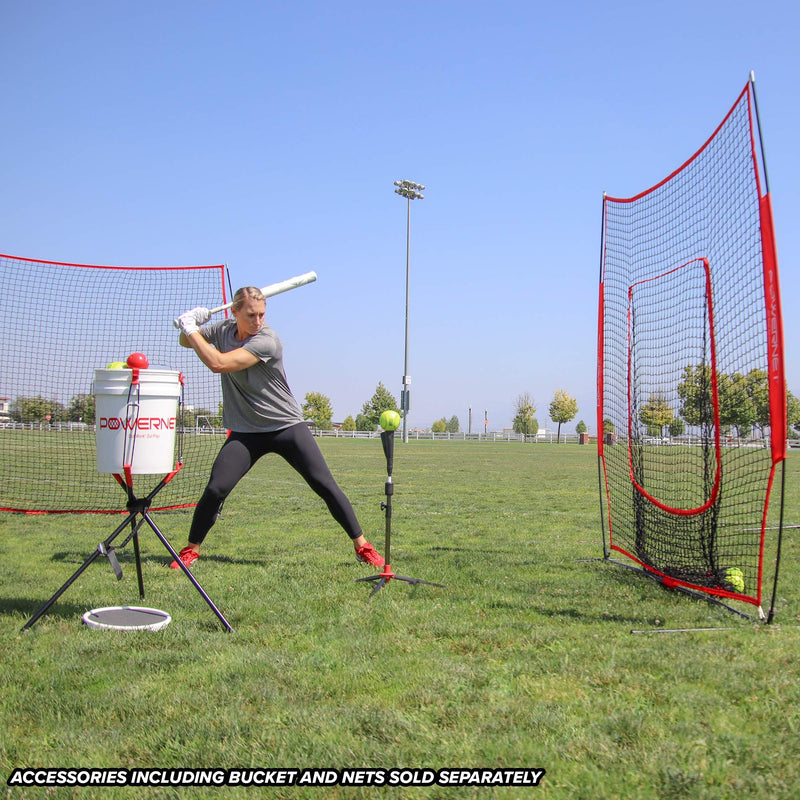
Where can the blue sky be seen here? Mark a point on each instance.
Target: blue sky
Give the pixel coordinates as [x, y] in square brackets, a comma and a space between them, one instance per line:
[268, 135]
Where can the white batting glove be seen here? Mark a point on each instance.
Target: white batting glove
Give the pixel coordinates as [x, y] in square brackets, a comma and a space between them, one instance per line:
[187, 323]
[190, 321]
[201, 315]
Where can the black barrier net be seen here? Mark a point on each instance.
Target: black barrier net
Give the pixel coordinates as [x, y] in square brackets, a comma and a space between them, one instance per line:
[59, 323]
[691, 394]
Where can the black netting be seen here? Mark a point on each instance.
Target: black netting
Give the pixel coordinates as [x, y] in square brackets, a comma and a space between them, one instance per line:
[59, 323]
[684, 370]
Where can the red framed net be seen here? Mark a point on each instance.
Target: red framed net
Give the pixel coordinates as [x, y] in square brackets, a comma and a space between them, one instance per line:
[59, 323]
[691, 389]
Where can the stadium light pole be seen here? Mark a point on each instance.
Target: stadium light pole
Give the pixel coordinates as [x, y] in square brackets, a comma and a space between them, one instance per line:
[411, 191]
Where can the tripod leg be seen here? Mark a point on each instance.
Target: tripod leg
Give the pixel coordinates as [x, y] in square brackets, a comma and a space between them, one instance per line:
[134, 534]
[61, 591]
[138, 556]
[378, 586]
[417, 581]
[102, 549]
[187, 572]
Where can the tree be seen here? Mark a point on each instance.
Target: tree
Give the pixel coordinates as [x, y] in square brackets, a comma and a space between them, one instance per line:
[81, 408]
[317, 408]
[743, 399]
[36, 409]
[381, 401]
[757, 383]
[363, 423]
[792, 413]
[736, 407]
[581, 427]
[445, 425]
[656, 414]
[349, 423]
[676, 427]
[523, 420]
[562, 409]
[696, 397]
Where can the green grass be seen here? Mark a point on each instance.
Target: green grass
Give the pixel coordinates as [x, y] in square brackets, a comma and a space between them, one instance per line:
[526, 658]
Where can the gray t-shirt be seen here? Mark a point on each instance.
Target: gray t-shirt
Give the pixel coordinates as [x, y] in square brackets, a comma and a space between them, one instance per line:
[257, 399]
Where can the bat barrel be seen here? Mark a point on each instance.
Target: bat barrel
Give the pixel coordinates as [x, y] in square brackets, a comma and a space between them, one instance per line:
[272, 290]
[279, 288]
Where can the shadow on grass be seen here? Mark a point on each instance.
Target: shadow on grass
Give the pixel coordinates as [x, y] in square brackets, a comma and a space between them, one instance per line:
[576, 615]
[126, 556]
[229, 560]
[10, 606]
[636, 578]
[485, 551]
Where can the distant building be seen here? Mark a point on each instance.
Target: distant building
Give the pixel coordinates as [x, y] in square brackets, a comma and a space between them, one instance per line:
[4, 410]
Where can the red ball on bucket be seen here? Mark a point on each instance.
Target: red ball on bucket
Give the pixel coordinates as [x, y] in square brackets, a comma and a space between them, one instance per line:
[138, 361]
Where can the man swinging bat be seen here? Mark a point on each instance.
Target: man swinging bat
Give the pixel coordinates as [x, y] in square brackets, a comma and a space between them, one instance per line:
[261, 414]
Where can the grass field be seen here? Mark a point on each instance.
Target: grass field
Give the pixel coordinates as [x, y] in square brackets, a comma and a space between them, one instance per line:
[526, 659]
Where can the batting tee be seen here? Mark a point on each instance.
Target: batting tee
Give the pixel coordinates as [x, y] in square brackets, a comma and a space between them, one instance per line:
[691, 395]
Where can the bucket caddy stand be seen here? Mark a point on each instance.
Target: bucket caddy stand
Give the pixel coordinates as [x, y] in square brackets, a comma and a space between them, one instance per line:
[138, 514]
[382, 578]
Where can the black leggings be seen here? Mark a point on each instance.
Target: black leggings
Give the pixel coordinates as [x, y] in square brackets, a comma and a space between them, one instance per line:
[242, 450]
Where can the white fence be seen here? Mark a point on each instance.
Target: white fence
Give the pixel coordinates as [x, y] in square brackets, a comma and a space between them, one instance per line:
[461, 436]
[414, 435]
[48, 426]
[206, 430]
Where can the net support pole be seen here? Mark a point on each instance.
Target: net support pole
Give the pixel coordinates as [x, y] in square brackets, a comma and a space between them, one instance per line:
[778, 547]
[599, 387]
[760, 134]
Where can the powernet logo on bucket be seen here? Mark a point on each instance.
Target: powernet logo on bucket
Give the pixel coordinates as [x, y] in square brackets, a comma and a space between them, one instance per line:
[137, 424]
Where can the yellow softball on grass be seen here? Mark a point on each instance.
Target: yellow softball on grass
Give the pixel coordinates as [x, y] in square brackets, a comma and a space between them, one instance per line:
[735, 577]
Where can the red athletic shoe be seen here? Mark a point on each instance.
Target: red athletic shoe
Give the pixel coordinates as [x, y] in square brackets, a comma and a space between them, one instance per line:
[187, 555]
[367, 554]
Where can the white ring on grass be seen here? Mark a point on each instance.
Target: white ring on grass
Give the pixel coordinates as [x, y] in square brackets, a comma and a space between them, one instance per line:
[127, 618]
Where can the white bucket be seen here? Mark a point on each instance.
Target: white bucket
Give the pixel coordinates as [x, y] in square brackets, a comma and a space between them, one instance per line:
[135, 425]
